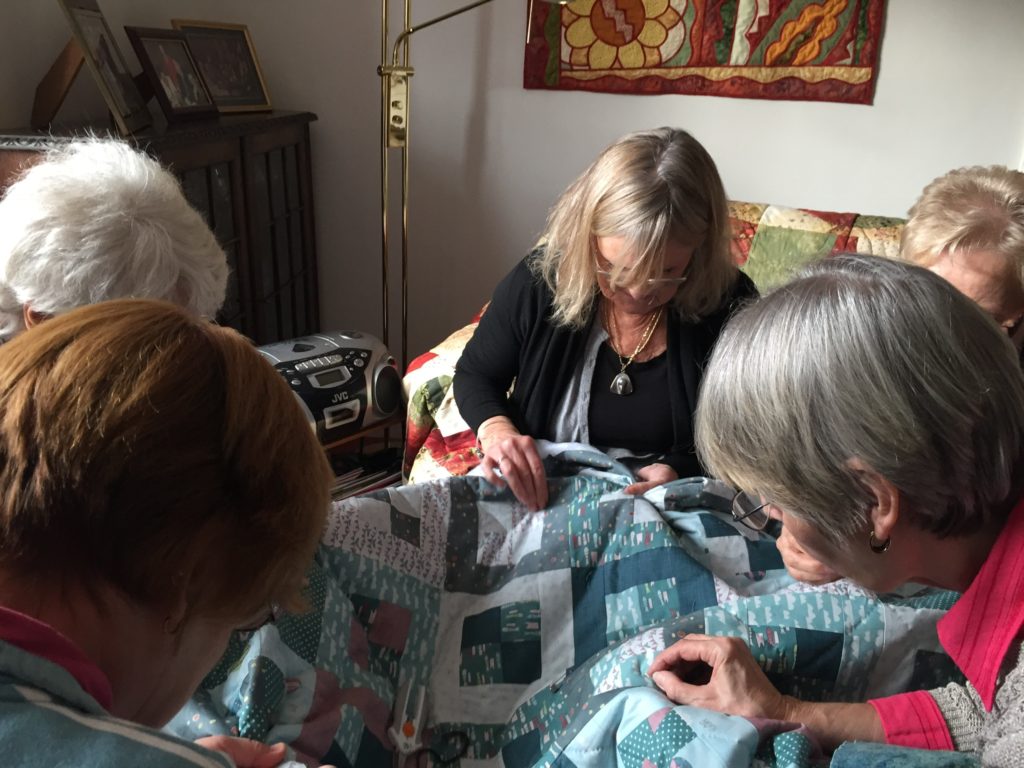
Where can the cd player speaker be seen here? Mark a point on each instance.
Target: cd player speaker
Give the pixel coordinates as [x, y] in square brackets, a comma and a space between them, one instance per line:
[387, 390]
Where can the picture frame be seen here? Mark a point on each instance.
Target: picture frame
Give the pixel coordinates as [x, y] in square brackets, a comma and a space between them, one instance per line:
[107, 65]
[168, 64]
[227, 61]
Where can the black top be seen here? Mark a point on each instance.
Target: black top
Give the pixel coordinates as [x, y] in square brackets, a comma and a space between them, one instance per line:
[640, 422]
[518, 341]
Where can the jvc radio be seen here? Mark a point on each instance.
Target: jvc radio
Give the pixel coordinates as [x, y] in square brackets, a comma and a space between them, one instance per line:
[345, 380]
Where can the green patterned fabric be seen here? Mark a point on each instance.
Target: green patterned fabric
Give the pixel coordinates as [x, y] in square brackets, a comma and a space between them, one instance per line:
[773, 242]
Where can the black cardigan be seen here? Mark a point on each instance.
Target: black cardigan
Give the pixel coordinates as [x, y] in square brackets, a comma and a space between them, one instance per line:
[518, 341]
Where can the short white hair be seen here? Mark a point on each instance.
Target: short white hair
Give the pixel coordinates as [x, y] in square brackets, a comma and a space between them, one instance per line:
[98, 220]
[968, 210]
[876, 360]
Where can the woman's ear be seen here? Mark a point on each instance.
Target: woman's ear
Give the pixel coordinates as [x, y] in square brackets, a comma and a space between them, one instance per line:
[885, 510]
[177, 609]
[32, 318]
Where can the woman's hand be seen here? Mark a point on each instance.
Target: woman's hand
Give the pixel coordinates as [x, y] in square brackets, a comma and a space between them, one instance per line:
[247, 753]
[717, 673]
[720, 673]
[651, 476]
[802, 566]
[515, 456]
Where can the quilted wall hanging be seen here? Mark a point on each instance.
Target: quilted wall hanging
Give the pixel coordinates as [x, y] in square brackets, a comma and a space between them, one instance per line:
[814, 50]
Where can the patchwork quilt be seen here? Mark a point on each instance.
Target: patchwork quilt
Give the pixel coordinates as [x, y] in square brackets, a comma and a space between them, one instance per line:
[529, 634]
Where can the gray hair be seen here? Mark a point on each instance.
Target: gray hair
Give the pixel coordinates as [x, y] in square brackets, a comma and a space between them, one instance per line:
[649, 187]
[968, 209]
[870, 359]
[98, 220]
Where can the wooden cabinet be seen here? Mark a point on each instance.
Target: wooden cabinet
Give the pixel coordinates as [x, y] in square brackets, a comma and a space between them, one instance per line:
[250, 176]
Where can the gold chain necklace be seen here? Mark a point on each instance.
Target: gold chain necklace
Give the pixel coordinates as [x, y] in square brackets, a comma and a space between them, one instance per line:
[622, 384]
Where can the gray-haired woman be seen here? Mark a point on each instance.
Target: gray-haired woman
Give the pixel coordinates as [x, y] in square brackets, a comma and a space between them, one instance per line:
[605, 328]
[967, 227]
[880, 413]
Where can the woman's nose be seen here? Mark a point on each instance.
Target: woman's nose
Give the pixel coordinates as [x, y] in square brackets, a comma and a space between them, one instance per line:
[640, 293]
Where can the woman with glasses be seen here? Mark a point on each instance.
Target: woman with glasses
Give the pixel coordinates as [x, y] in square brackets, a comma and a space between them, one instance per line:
[877, 413]
[967, 227]
[600, 335]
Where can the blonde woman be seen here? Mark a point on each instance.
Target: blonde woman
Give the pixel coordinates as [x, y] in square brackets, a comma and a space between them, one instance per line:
[968, 227]
[604, 329]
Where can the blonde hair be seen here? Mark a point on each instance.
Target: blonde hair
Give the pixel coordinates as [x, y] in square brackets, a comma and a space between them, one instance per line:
[147, 449]
[968, 209]
[648, 187]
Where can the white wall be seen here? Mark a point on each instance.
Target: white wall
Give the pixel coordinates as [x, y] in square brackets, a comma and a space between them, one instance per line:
[488, 158]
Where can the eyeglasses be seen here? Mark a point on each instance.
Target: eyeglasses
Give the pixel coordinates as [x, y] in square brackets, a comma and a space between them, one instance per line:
[750, 510]
[653, 283]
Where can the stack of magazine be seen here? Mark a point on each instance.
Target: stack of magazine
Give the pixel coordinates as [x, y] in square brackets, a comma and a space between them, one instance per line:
[357, 473]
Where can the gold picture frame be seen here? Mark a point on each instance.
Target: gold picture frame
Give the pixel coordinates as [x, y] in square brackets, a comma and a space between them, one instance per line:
[226, 58]
[108, 67]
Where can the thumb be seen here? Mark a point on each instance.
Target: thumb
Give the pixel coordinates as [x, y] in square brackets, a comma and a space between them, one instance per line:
[671, 685]
[247, 753]
[638, 489]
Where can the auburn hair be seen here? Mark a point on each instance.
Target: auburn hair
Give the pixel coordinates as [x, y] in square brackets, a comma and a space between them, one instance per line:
[145, 448]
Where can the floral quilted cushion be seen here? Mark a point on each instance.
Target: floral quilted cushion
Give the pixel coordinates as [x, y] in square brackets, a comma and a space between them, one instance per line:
[786, 239]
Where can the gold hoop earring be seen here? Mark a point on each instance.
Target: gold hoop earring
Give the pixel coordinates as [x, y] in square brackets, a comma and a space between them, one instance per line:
[878, 547]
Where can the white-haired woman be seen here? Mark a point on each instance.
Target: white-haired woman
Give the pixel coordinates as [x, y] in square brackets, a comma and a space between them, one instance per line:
[604, 329]
[880, 414]
[968, 227]
[98, 220]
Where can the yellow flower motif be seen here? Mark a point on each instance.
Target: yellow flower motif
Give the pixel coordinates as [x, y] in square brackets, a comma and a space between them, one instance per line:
[621, 34]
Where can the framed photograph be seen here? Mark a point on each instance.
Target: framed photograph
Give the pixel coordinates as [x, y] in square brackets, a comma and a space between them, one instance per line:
[107, 65]
[169, 65]
[227, 61]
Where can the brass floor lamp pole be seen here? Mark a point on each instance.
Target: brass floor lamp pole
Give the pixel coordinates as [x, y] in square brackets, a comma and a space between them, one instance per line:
[395, 73]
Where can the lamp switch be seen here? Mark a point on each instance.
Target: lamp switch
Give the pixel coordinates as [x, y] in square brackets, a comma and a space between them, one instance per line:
[398, 104]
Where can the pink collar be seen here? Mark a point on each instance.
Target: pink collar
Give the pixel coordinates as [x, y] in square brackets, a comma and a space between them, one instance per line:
[979, 629]
[39, 639]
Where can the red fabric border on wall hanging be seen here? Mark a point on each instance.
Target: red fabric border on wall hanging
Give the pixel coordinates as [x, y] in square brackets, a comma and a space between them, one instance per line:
[812, 50]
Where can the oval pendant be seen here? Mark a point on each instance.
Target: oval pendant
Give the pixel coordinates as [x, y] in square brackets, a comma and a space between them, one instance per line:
[622, 385]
